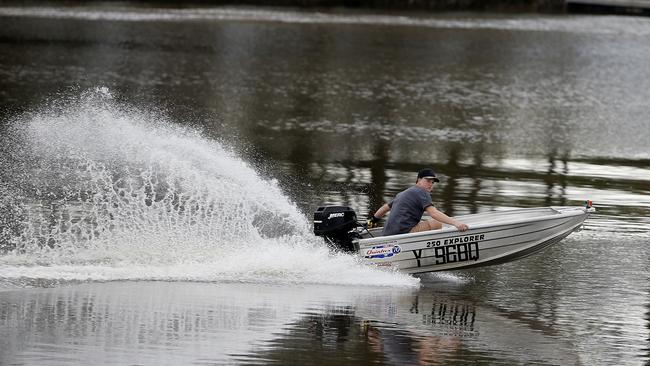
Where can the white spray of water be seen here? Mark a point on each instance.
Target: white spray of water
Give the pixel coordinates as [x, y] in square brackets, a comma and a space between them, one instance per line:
[113, 193]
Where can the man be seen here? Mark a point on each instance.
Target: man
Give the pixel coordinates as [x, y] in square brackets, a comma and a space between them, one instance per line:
[409, 205]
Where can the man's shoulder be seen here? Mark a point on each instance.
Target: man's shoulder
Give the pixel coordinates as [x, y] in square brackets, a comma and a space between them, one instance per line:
[413, 193]
[415, 190]
[421, 195]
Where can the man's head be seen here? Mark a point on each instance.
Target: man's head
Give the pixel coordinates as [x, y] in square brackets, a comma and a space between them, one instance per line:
[426, 179]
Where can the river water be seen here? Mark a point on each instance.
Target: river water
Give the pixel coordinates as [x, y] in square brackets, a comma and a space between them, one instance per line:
[159, 168]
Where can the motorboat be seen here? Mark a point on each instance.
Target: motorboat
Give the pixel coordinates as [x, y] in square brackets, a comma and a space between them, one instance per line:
[492, 238]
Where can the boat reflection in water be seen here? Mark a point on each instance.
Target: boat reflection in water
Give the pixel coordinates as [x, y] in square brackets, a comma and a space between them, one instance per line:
[144, 322]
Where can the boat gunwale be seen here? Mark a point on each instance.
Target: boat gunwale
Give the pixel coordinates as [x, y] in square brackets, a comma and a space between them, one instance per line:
[567, 231]
[562, 213]
[497, 260]
[509, 236]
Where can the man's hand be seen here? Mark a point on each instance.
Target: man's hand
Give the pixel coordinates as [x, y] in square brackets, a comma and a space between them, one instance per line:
[372, 221]
[460, 226]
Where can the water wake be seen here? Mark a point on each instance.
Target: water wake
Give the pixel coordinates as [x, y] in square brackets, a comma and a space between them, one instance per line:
[95, 190]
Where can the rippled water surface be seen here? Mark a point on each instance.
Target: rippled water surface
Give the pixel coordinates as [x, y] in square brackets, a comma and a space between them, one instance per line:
[159, 168]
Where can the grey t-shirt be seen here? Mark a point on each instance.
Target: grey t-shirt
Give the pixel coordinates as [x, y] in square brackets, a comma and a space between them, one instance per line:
[406, 210]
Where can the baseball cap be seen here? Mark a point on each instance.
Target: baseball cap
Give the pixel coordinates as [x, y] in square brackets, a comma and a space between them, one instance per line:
[428, 173]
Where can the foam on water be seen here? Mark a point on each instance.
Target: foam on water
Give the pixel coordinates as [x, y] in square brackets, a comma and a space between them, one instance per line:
[446, 278]
[95, 190]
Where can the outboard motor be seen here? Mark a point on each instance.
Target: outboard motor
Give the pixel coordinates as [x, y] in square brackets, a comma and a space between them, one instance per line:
[336, 224]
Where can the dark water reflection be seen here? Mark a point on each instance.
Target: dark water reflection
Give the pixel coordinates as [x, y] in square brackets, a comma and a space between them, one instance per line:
[453, 319]
[207, 323]
[512, 111]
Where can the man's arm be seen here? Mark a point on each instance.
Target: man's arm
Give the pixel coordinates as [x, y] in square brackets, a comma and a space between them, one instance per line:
[439, 216]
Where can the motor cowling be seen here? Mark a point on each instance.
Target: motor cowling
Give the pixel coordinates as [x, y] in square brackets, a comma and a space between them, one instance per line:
[335, 224]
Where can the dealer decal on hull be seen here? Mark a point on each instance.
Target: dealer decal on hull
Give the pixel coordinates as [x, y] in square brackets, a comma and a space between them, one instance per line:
[386, 250]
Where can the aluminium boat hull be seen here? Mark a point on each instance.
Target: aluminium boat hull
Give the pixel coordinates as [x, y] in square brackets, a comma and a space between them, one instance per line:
[492, 238]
